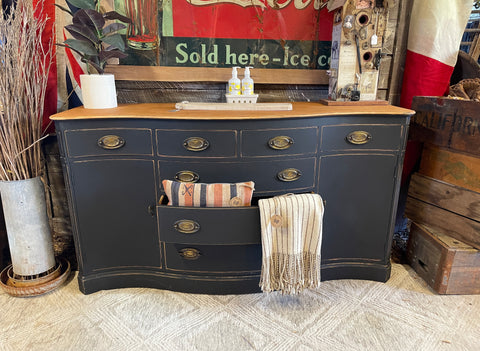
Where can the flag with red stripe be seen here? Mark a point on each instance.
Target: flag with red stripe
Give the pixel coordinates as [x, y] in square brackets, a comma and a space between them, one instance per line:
[47, 9]
[64, 75]
[435, 33]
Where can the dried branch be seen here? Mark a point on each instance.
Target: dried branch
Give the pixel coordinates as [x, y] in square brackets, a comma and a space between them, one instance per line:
[24, 65]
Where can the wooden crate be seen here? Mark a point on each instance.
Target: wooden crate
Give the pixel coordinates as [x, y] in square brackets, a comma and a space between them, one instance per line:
[450, 197]
[448, 265]
[446, 122]
[453, 167]
[449, 209]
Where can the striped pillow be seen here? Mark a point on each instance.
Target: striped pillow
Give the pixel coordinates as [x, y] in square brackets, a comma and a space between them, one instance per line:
[208, 195]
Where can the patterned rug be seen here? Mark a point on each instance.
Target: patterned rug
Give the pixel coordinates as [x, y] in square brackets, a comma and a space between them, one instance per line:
[402, 314]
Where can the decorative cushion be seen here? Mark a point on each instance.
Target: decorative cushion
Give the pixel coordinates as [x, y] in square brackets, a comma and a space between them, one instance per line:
[208, 195]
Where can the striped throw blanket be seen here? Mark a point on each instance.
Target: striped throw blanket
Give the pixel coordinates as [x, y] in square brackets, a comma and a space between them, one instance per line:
[291, 242]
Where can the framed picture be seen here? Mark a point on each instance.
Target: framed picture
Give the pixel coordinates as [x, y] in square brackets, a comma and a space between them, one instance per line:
[285, 41]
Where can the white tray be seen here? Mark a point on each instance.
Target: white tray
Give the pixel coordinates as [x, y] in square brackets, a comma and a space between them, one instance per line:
[266, 106]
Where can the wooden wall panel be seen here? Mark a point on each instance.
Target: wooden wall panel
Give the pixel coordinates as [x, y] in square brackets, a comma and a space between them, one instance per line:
[402, 20]
[149, 91]
[203, 74]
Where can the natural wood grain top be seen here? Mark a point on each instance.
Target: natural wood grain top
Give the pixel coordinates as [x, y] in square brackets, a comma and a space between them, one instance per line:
[214, 74]
[168, 111]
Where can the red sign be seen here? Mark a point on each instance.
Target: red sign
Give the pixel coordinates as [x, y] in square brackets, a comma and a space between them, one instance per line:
[252, 19]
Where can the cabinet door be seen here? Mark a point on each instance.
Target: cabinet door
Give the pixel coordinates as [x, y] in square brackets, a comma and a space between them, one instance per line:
[115, 218]
[358, 190]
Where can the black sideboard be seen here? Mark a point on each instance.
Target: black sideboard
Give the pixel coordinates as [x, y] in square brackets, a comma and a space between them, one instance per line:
[126, 236]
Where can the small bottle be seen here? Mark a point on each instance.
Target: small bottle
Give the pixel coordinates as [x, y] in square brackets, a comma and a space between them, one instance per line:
[247, 83]
[234, 83]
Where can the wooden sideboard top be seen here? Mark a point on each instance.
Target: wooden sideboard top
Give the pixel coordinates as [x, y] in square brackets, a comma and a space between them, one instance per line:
[168, 111]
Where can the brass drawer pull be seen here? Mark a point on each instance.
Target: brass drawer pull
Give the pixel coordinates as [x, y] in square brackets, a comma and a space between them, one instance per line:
[196, 144]
[190, 253]
[187, 177]
[359, 137]
[111, 142]
[289, 175]
[186, 226]
[280, 142]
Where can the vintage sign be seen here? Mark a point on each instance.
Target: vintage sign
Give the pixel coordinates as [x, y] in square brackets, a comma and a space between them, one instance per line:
[287, 34]
[447, 122]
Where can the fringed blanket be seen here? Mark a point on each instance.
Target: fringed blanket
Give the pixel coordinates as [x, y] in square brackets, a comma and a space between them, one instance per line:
[291, 242]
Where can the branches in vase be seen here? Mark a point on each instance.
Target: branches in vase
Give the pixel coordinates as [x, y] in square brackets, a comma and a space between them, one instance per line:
[25, 61]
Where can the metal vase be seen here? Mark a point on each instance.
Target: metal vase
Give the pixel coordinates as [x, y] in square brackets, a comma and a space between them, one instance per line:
[28, 229]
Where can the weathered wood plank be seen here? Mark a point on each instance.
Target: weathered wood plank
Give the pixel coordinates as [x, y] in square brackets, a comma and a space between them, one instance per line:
[206, 74]
[424, 255]
[353, 103]
[443, 221]
[384, 72]
[402, 20]
[382, 94]
[57, 204]
[464, 280]
[62, 226]
[451, 167]
[389, 38]
[145, 92]
[447, 196]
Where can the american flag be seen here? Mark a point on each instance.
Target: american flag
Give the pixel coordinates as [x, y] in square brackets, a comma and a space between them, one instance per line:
[63, 89]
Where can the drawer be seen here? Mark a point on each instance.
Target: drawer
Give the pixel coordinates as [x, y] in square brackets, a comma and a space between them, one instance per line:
[111, 141]
[213, 258]
[196, 143]
[361, 136]
[269, 176]
[279, 142]
[199, 225]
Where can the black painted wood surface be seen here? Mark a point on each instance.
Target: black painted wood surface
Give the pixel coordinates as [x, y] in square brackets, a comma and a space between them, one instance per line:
[124, 234]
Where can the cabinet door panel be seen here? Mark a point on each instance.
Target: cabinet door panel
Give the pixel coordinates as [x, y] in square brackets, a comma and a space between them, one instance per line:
[358, 191]
[115, 227]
